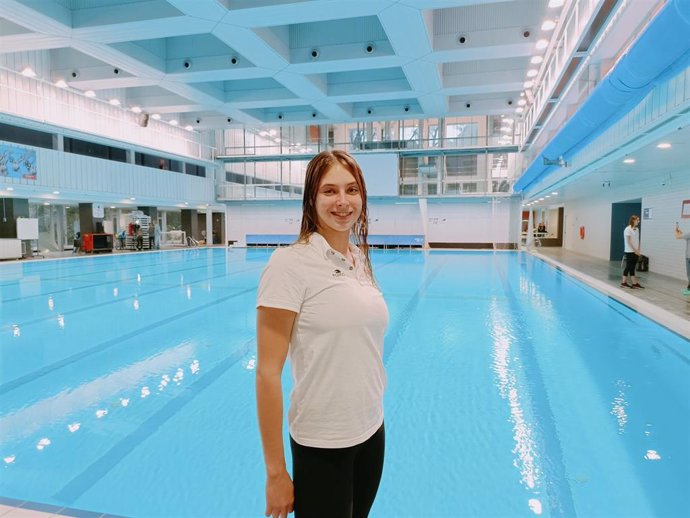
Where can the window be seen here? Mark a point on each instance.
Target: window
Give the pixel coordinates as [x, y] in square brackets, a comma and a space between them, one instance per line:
[26, 136]
[86, 148]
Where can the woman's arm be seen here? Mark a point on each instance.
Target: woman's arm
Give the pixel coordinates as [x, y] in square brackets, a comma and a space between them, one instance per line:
[273, 331]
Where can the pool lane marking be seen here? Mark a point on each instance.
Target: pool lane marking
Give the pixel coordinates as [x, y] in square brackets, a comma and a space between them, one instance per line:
[31, 376]
[98, 469]
[139, 295]
[559, 493]
[105, 283]
[400, 325]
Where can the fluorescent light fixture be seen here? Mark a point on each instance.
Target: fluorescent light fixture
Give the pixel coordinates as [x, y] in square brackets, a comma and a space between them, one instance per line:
[173, 122]
[28, 72]
[60, 83]
[10, 188]
[542, 44]
[547, 196]
[112, 206]
[90, 93]
[532, 72]
[114, 102]
[56, 192]
[186, 203]
[136, 109]
[156, 116]
[541, 199]
[664, 145]
[46, 203]
[556, 3]
[555, 193]
[548, 25]
[629, 161]
[536, 60]
[132, 198]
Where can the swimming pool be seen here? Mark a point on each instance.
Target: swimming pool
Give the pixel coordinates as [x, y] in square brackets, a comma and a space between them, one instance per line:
[127, 388]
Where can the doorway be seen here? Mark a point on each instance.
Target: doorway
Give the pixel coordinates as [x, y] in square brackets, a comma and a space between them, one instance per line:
[620, 218]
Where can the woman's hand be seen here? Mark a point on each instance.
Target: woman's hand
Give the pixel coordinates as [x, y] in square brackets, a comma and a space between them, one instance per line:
[280, 495]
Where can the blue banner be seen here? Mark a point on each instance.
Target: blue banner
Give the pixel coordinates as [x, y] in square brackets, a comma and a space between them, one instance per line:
[16, 162]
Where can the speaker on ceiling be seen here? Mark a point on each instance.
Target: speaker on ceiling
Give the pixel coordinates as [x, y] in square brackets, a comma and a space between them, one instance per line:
[143, 120]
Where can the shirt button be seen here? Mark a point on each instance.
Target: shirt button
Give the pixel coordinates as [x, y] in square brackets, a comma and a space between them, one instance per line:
[342, 259]
[351, 268]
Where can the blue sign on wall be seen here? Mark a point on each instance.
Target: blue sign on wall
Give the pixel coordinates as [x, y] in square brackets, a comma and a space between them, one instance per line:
[16, 162]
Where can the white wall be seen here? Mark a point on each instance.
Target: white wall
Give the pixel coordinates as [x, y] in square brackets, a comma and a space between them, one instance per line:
[451, 221]
[658, 242]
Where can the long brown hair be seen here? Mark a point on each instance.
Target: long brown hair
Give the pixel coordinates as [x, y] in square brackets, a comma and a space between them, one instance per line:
[316, 169]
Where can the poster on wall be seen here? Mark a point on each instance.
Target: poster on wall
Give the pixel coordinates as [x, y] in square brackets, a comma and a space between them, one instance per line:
[98, 210]
[685, 210]
[17, 162]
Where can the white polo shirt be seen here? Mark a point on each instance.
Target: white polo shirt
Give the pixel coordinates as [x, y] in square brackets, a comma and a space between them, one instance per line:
[336, 348]
[634, 234]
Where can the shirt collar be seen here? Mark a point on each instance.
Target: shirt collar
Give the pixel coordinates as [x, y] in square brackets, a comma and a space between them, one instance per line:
[319, 242]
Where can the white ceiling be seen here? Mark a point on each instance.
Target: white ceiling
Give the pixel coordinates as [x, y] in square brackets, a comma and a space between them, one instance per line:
[417, 67]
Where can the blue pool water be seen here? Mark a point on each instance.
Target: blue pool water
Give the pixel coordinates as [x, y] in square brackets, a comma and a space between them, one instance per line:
[127, 388]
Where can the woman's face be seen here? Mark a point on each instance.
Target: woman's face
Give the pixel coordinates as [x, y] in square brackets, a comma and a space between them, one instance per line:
[338, 201]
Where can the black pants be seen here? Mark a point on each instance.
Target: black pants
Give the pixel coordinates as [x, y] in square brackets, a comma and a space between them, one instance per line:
[337, 482]
[630, 263]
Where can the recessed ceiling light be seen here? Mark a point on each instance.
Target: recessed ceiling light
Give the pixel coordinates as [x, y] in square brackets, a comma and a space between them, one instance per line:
[542, 44]
[555, 193]
[532, 72]
[132, 198]
[528, 84]
[522, 102]
[112, 206]
[556, 3]
[508, 120]
[56, 192]
[10, 188]
[28, 72]
[60, 83]
[173, 122]
[156, 116]
[519, 109]
[548, 25]
[46, 203]
[114, 102]
[188, 127]
[629, 161]
[136, 109]
[90, 93]
[506, 129]
[664, 145]
[541, 199]
[522, 94]
[547, 196]
[536, 60]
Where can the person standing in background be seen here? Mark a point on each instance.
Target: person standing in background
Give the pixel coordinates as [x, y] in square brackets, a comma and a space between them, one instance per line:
[686, 236]
[631, 239]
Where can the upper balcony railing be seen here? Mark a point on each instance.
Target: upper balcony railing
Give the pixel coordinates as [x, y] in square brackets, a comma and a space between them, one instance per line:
[41, 101]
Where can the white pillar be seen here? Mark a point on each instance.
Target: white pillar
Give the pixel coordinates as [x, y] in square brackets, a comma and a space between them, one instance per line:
[209, 227]
[424, 214]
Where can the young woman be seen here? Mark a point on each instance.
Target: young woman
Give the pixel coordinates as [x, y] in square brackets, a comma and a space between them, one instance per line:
[631, 238]
[319, 303]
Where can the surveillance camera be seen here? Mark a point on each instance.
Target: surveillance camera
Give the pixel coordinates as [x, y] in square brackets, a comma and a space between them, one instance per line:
[313, 114]
[116, 71]
[280, 116]
[315, 53]
[75, 74]
[510, 102]
[187, 63]
[229, 120]
[198, 121]
[462, 39]
[406, 108]
[526, 34]
[234, 60]
[369, 48]
[369, 111]
[468, 105]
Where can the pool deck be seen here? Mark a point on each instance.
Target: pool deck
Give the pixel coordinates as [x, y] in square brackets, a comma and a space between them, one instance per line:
[661, 299]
